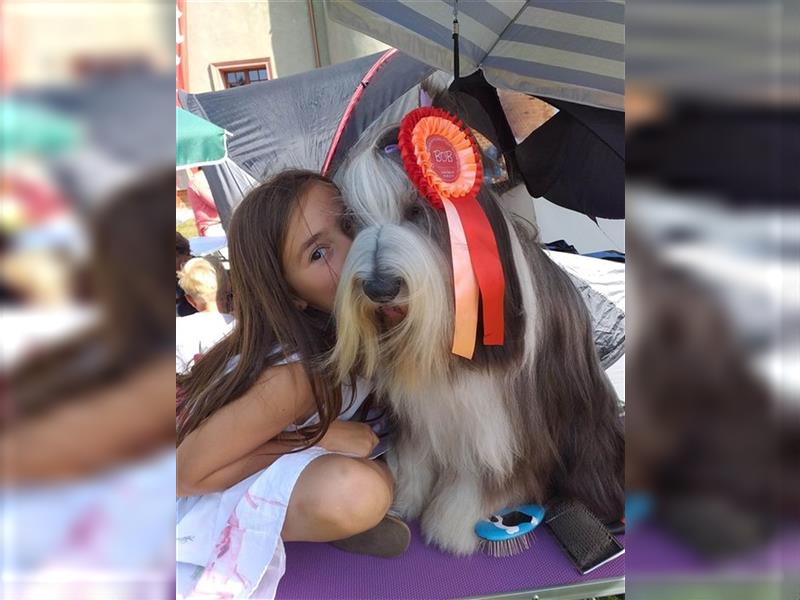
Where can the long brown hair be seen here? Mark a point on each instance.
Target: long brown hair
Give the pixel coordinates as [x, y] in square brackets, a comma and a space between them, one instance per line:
[129, 273]
[269, 328]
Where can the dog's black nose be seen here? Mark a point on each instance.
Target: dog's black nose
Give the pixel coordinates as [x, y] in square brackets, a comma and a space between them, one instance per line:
[382, 289]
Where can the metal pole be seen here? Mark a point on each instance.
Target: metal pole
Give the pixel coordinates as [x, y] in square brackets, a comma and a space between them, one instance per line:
[312, 21]
[455, 40]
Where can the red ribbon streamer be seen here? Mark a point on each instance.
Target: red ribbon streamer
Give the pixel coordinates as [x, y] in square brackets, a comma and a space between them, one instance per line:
[487, 266]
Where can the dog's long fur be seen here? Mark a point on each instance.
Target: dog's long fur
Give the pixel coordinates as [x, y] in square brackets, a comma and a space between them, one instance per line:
[530, 421]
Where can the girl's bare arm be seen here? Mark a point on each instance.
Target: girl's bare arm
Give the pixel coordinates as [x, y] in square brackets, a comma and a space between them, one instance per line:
[241, 468]
[237, 440]
[96, 431]
[352, 438]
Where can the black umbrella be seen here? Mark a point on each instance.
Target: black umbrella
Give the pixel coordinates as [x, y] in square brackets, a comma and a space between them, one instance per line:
[576, 159]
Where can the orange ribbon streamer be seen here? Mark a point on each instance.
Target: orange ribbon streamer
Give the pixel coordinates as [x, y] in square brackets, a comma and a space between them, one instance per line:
[465, 284]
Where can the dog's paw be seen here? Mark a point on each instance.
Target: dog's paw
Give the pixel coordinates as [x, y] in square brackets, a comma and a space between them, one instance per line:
[410, 498]
[414, 479]
[451, 532]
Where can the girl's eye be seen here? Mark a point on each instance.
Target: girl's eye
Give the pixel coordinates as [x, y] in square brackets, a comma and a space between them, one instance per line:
[319, 254]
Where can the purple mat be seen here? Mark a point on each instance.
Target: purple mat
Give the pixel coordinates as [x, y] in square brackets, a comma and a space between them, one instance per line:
[320, 571]
[653, 552]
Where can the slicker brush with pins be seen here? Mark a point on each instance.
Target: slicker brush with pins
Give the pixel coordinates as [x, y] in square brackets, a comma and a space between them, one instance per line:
[509, 532]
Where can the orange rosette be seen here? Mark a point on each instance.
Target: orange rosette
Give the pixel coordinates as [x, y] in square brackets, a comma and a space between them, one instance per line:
[439, 155]
[441, 158]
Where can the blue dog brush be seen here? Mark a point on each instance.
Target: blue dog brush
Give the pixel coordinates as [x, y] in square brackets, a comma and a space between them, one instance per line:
[508, 532]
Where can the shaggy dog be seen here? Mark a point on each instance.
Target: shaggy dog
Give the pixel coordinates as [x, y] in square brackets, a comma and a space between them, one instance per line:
[533, 420]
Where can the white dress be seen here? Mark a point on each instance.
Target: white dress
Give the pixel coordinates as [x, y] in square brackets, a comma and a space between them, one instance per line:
[228, 543]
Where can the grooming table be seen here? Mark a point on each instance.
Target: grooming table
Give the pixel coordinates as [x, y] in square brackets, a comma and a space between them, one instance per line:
[657, 553]
[661, 566]
[322, 572]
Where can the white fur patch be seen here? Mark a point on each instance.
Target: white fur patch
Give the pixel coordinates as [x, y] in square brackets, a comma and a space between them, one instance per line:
[463, 422]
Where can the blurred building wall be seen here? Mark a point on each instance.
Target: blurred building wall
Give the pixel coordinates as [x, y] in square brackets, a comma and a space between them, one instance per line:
[218, 32]
[294, 36]
[55, 42]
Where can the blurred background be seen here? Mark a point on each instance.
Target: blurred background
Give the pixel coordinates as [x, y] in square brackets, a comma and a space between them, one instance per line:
[712, 189]
[87, 186]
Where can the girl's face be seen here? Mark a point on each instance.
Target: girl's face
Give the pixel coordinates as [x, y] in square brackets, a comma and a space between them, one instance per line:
[315, 247]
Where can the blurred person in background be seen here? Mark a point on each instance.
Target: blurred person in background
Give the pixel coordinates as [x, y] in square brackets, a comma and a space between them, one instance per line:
[205, 284]
[129, 345]
[87, 465]
[183, 254]
[199, 198]
[40, 258]
[8, 294]
[86, 435]
[37, 277]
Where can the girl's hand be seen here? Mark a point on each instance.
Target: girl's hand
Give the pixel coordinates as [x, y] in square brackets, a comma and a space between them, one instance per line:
[348, 437]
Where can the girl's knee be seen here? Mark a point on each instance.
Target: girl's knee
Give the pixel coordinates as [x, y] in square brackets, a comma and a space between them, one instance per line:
[358, 496]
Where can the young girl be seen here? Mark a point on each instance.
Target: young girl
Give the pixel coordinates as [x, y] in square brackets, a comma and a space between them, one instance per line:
[264, 445]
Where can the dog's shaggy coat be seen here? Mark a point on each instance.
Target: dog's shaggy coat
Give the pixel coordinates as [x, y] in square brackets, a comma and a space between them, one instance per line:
[529, 421]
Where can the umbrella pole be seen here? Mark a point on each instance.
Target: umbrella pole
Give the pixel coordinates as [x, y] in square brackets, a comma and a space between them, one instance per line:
[455, 40]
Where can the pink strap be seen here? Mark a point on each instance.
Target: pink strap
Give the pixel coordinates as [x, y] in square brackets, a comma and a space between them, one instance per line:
[348, 112]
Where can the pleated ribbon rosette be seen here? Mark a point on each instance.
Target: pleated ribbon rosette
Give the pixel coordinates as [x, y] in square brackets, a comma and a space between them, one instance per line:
[441, 158]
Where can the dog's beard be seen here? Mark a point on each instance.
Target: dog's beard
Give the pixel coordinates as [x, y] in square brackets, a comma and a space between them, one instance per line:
[405, 340]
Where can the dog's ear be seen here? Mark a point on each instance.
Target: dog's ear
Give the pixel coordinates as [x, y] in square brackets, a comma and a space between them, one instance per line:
[388, 137]
[435, 84]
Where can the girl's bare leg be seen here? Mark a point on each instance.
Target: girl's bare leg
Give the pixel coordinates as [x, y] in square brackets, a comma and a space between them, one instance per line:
[337, 497]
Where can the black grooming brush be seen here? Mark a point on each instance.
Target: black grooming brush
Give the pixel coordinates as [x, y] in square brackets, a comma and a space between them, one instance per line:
[587, 542]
